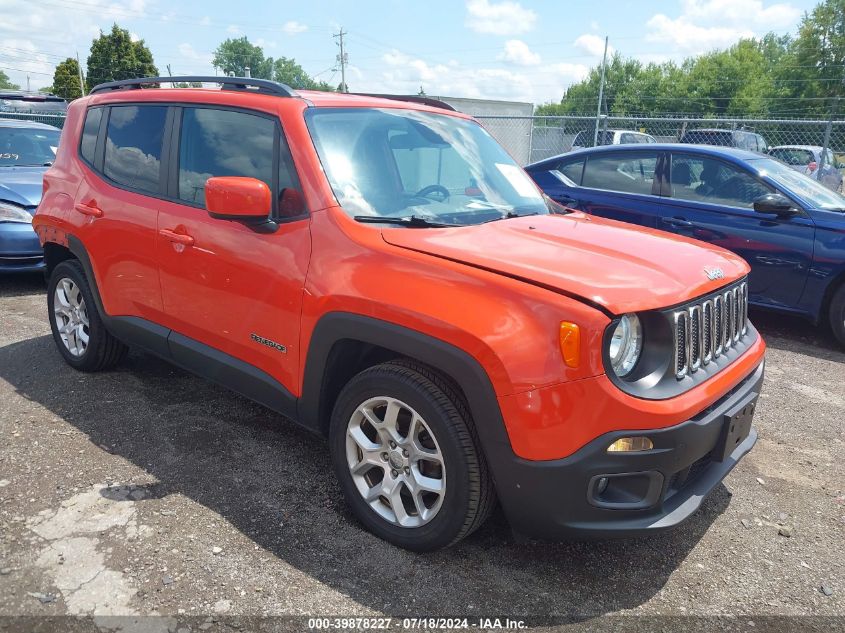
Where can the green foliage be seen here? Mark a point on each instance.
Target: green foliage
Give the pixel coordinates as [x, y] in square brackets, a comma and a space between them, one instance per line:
[287, 71]
[66, 80]
[115, 56]
[6, 84]
[234, 55]
[774, 76]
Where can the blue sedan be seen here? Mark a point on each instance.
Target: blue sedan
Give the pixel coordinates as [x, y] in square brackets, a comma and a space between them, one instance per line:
[27, 149]
[789, 228]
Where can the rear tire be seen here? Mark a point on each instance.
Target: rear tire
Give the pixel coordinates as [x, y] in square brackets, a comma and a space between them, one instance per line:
[79, 332]
[837, 314]
[406, 454]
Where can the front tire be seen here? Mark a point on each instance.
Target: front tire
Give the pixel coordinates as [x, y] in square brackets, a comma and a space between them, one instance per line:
[837, 314]
[405, 452]
[78, 331]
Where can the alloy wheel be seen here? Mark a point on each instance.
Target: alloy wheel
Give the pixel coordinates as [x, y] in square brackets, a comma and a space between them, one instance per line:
[71, 316]
[395, 462]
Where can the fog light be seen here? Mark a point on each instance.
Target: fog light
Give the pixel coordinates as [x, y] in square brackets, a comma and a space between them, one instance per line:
[630, 445]
[601, 485]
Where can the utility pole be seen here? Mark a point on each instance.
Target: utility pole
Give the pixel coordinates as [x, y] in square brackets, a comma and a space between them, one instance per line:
[601, 93]
[343, 59]
[247, 71]
[81, 82]
[27, 83]
[169, 74]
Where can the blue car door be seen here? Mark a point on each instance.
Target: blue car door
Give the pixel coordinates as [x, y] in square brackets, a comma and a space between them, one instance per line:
[712, 200]
[618, 184]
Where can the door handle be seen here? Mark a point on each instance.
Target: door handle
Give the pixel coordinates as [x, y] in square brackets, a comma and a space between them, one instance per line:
[89, 209]
[679, 223]
[176, 238]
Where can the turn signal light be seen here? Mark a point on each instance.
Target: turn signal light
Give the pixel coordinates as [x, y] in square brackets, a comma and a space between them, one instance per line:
[570, 343]
[630, 445]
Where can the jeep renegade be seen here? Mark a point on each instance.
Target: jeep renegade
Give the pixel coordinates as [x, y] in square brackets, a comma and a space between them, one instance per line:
[381, 271]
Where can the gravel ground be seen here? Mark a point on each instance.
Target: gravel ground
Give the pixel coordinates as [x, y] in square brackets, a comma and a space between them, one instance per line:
[147, 491]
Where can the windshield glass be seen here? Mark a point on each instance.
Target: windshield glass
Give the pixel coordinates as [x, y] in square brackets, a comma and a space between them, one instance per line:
[398, 163]
[816, 194]
[27, 146]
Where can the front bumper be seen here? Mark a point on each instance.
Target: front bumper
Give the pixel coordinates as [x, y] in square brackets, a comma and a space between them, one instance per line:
[662, 486]
[20, 250]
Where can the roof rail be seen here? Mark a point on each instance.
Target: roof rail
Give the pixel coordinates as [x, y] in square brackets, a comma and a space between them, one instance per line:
[262, 86]
[434, 103]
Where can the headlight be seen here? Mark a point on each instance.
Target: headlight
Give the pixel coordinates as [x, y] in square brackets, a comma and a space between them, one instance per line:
[626, 345]
[13, 213]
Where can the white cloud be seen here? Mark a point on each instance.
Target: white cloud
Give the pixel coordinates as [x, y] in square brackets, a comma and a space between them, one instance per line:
[499, 18]
[234, 29]
[292, 27]
[592, 45]
[205, 21]
[707, 24]
[405, 74]
[134, 37]
[517, 52]
[189, 53]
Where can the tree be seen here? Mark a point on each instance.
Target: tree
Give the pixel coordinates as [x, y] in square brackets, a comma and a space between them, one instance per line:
[66, 80]
[817, 57]
[6, 84]
[287, 71]
[115, 56]
[234, 56]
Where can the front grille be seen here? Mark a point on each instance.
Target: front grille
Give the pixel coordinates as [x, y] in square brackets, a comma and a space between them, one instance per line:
[707, 328]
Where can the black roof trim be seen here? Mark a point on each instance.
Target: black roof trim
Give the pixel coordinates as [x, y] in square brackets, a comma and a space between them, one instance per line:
[262, 86]
[434, 103]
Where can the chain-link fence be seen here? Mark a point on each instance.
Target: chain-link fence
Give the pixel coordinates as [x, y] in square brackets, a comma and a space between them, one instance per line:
[533, 138]
[530, 139]
[50, 118]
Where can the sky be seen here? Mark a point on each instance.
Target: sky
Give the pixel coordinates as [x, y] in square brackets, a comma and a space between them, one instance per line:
[495, 49]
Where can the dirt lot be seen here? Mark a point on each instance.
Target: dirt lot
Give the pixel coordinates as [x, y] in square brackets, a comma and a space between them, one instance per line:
[148, 491]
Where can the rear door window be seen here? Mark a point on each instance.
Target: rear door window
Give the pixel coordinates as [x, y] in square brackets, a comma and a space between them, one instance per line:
[628, 172]
[133, 146]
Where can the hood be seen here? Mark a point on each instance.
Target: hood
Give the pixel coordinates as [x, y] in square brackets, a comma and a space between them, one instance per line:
[22, 185]
[620, 267]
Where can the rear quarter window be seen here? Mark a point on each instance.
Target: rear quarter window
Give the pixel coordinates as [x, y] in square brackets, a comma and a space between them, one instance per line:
[90, 129]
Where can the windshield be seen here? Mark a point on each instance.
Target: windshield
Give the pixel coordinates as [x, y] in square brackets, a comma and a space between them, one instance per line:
[401, 163]
[816, 194]
[27, 146]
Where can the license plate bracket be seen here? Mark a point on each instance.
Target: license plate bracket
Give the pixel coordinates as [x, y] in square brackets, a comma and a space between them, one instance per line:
[736, 426]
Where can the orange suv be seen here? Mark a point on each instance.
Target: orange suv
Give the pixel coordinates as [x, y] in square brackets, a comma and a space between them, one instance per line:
[379, 269]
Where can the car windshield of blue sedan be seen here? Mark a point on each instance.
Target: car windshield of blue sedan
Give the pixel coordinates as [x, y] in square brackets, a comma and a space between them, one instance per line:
[20, 146]
[816, 194]
[398, 163]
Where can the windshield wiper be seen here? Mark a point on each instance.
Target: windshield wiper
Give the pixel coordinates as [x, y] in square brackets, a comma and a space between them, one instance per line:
[511, 214]
[413, 221]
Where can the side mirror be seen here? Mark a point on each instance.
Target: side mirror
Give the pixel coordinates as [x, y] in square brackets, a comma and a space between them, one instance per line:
[237, 198]
[775, 203]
